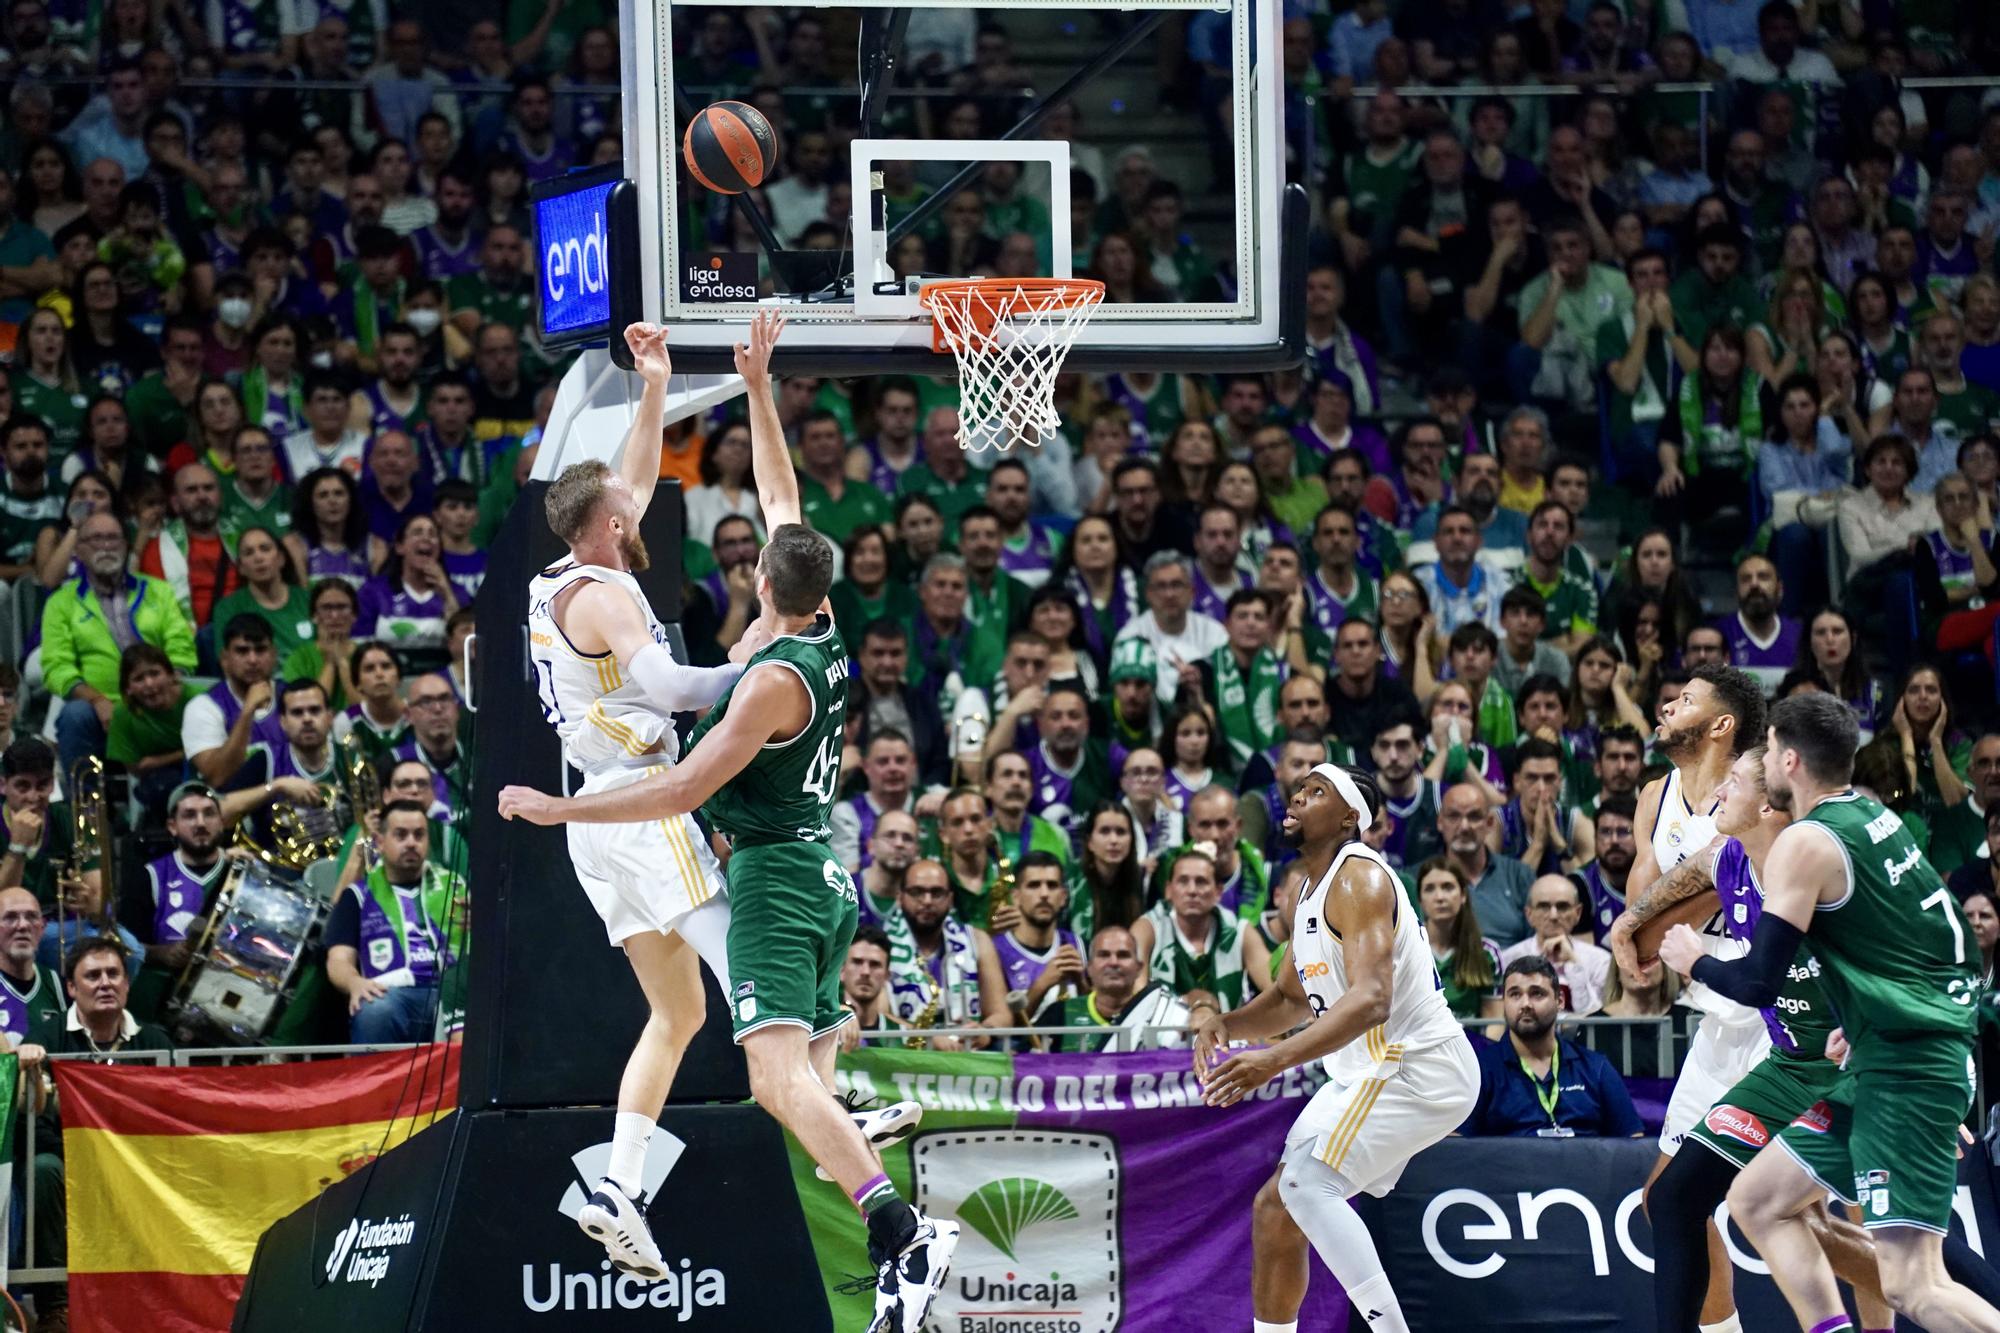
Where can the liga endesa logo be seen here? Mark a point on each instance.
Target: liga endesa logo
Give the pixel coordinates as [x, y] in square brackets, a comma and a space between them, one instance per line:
[1039, 1250]
[547, 1287]
[719, 275]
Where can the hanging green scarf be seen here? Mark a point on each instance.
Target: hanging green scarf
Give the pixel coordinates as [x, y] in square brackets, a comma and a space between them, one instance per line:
[1247, 709]
[435, 892]
[1219, 971]
[368, 314]
[257, 398]
[1700, 436]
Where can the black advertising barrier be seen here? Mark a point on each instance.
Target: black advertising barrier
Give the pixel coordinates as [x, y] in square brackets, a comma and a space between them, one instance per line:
[1540, 1234]
[393, 1248]
[552, 1008]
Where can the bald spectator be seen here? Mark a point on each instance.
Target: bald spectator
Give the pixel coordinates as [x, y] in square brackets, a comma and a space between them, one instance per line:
[393, 488]
[190, 554]
[1499, 889]
[1562, 937]
[90, 620]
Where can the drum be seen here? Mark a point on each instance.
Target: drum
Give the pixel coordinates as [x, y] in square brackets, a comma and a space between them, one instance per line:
[246, 964]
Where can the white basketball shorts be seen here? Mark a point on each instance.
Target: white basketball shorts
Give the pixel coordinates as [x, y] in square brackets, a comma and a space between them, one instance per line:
[643, 876]
[1367, 1130]
[1720, 1054]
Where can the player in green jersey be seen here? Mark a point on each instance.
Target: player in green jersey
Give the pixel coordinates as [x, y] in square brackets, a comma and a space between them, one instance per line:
[766, 764]
[1892, 948]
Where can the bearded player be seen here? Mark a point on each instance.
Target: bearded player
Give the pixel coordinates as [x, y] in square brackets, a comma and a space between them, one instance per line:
[766, 763]
[1719, 714]
[1897, 961]
[609, 685]
[1401, 1072]
[1799, 1069]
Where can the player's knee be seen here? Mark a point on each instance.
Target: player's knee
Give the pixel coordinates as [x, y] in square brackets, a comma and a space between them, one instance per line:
[1753, 1205]
[1268, 1210]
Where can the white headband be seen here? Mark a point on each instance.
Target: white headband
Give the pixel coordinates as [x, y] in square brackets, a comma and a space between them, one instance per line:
[1344, 784]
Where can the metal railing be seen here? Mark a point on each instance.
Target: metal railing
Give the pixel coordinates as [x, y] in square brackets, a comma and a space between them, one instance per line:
[1140, 1036]
[1670, 1035]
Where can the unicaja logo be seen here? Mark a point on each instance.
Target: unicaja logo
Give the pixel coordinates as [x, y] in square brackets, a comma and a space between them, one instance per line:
[1040, 1211]
[362, 1250]
[546, 1288]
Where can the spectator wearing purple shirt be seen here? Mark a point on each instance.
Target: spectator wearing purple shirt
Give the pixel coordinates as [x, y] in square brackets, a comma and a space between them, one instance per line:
[1331, 427]
[1218, 575]
[1946, 256]
[1028, 549]
[449, 248]
[456, 509]
[392, 486]
[1758, 639]
[531, 136]
[1042, 960]
[406, 605]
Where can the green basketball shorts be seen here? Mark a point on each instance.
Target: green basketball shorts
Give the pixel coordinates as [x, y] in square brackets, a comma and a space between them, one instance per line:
[1888, 1139]
[1762, 1103]
[792, 915]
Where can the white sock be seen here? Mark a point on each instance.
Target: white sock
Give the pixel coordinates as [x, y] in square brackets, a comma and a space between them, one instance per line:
[1316, 1197]
[706, 930]
[631, 1134]
[1730, 1325]
[1266, 1326]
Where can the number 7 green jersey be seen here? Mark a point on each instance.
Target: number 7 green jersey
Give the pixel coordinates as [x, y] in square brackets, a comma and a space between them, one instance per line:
[786, 793]
[1897, 959]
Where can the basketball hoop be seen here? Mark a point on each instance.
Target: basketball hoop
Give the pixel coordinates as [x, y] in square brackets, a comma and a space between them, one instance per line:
[1010, 336]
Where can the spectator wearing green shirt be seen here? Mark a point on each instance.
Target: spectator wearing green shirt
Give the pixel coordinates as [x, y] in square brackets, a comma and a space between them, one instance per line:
[1570, 599]
[1715, 291]
[269, 590]
[1295, 500]
[325, 656]
[28, 502]
[160, 402]
[145, 730]
[942, 475]
[834, 504]
[500, 292]
[1643, 354]
[27, 260]
[252, 495]
[87, 622]
[45, 382]
[1970, 408]
[1173, 260]
[1561, 310]
[996, 602]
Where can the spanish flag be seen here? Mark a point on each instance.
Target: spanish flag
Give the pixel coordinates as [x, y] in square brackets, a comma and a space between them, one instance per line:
[173, 1174]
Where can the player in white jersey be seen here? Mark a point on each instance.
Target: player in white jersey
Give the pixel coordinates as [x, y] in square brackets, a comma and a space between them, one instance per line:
[609, 685]
[1719, 715]
[1401, 1073]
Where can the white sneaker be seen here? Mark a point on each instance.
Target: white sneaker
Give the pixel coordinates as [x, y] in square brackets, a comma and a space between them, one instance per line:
[884, 1127]
[906, 1283]
[614, 1219]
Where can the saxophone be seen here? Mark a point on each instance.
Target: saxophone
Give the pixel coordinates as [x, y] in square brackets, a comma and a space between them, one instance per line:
[1002, 893]
[927, 1017]
[90, 840]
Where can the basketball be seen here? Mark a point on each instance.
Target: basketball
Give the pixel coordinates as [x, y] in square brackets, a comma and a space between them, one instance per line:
[1688, 912]
[729, 147]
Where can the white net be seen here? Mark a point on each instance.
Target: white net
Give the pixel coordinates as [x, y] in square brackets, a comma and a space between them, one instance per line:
[1010, 337]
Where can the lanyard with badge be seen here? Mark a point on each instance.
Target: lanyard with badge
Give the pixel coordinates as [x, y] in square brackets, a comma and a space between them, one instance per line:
[1549, 1099]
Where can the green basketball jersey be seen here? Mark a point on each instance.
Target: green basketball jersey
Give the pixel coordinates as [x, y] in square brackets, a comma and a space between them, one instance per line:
[1896, 956]
[786, 793]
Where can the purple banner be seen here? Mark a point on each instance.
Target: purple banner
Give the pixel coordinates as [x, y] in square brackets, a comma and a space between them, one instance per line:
[1095, 1192]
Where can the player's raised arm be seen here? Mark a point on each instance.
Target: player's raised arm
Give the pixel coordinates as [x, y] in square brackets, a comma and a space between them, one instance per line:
[770, 460]
[639, 457]
[768, 704]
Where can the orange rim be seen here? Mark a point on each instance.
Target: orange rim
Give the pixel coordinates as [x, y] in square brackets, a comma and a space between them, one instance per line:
[986, 301]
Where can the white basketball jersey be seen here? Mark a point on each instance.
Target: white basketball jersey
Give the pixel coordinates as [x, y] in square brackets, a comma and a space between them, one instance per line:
[1418, 1014]
[1678, 831]
[603, 718]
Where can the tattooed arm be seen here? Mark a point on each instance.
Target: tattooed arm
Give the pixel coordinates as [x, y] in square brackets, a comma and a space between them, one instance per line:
[1689, 879]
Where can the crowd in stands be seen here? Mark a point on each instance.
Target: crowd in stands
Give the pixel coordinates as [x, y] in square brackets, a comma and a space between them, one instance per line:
[1599, 388]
